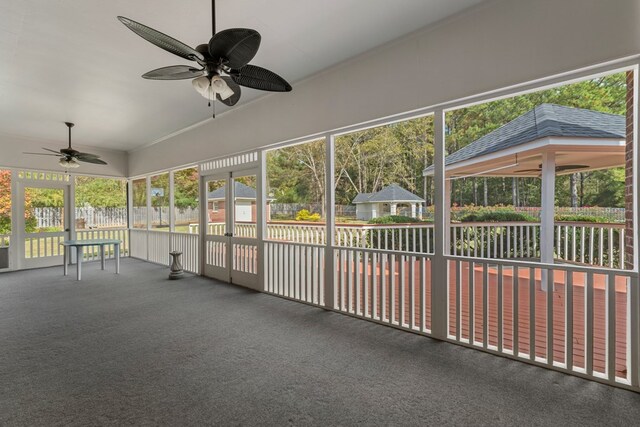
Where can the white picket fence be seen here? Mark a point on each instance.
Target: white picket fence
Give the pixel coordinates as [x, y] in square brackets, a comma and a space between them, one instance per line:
[160, 216]
[101, 217]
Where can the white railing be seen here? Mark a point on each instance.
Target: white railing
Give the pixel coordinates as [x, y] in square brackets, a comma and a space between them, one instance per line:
[591, 243]
[154, 246]
[91, 253]
[295, 271]
[584, 243]
[496, 240]
[384, 286]
[5, 239]
[580, 326]
[43, 245]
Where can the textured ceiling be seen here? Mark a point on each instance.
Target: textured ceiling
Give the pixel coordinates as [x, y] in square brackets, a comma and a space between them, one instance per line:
[65, 60]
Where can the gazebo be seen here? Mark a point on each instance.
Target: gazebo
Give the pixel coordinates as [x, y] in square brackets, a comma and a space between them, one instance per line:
[547, 141]
[390, 200]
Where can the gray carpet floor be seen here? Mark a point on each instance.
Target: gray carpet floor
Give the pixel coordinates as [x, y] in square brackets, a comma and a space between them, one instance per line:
[137, 349]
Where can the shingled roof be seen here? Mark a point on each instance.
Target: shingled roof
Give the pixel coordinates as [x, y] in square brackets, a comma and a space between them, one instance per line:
[241, 192]
[390, 193]
[546, 120]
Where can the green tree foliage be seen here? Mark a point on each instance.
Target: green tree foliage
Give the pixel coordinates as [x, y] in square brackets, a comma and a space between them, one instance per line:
[185, 183]
[101, 192]
[5, 202]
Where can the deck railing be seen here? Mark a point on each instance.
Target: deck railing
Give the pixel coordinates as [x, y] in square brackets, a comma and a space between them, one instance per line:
[154, 246]
[580, 326]
[598, 244]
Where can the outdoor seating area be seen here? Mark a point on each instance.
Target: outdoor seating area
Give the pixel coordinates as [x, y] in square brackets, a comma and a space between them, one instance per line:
[269, 217]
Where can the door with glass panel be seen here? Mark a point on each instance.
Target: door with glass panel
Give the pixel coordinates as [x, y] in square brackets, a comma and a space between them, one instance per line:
[230, 243]
[43, 223]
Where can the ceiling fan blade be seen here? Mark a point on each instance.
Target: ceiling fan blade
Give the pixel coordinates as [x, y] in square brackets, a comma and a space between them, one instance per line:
[91, 160]
[237, 45]
[53, 151]
[86, 156]
[527, 170]
[233, 99]
[43, 154]
[173, 72]
[162, 40]
[260, 78]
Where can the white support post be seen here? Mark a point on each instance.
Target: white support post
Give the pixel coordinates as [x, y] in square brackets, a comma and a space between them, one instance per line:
[439, 270]
[129, 203]
[261, 218]
[447, 216]
[149, 216]
[71, 209]
[17, 240]
[203, 209]
[547, 210]
[330, 209]
[172, 214]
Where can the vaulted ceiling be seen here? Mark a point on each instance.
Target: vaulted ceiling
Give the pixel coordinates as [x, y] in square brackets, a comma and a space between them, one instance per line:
[68, 60]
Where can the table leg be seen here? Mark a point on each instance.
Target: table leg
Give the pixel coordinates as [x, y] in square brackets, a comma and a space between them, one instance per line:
[65, 261]
[116, 247]
[79, 256]
[102, 256]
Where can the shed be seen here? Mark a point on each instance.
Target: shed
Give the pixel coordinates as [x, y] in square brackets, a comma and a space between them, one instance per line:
[391, 200]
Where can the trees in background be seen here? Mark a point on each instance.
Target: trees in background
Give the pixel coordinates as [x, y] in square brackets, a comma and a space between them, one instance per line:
[368, 160]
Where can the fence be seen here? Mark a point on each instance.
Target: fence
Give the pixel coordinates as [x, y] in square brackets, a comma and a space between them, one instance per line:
[101, 217]
[160, 216]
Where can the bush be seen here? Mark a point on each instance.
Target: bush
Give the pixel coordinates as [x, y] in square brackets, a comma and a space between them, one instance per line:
[305, 215]
[497, 216]
[393, 219]
[581, 218]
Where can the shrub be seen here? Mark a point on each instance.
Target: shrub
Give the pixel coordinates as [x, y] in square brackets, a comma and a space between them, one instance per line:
[305, 215]
[393, 219]
[581, 218]
[497, 216]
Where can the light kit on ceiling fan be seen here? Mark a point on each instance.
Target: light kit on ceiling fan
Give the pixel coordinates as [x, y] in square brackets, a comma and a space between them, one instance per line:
[224, 62]
[69, 157]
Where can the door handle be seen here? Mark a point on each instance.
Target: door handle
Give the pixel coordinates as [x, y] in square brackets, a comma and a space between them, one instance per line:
[228, 234]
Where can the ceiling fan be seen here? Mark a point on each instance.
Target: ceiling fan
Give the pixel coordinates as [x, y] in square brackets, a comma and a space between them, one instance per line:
[223, 62]
[559, 168]
[69, 157]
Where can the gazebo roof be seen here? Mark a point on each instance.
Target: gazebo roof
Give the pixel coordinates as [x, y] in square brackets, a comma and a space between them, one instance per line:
[554, 124]
[390, 193]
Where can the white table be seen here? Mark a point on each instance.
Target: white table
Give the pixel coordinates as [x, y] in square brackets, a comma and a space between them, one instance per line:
[80, 244]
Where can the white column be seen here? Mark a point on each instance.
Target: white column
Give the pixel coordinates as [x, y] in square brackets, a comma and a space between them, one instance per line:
[547, 210]
[393, 208]
[439, 273]
[172, 213]
[413, 210]
[204, 218]
[447, 216]
[330, 210]
[261, 217]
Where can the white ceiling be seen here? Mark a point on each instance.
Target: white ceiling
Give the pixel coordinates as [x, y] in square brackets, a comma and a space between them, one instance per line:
[70, 60]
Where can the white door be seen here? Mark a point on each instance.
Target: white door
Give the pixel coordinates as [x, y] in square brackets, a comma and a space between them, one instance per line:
[230, 237]
[243, 210]
[43, 223]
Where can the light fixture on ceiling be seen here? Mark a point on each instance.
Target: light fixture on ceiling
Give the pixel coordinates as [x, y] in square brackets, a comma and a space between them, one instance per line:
[68, 162]
[209, 87]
